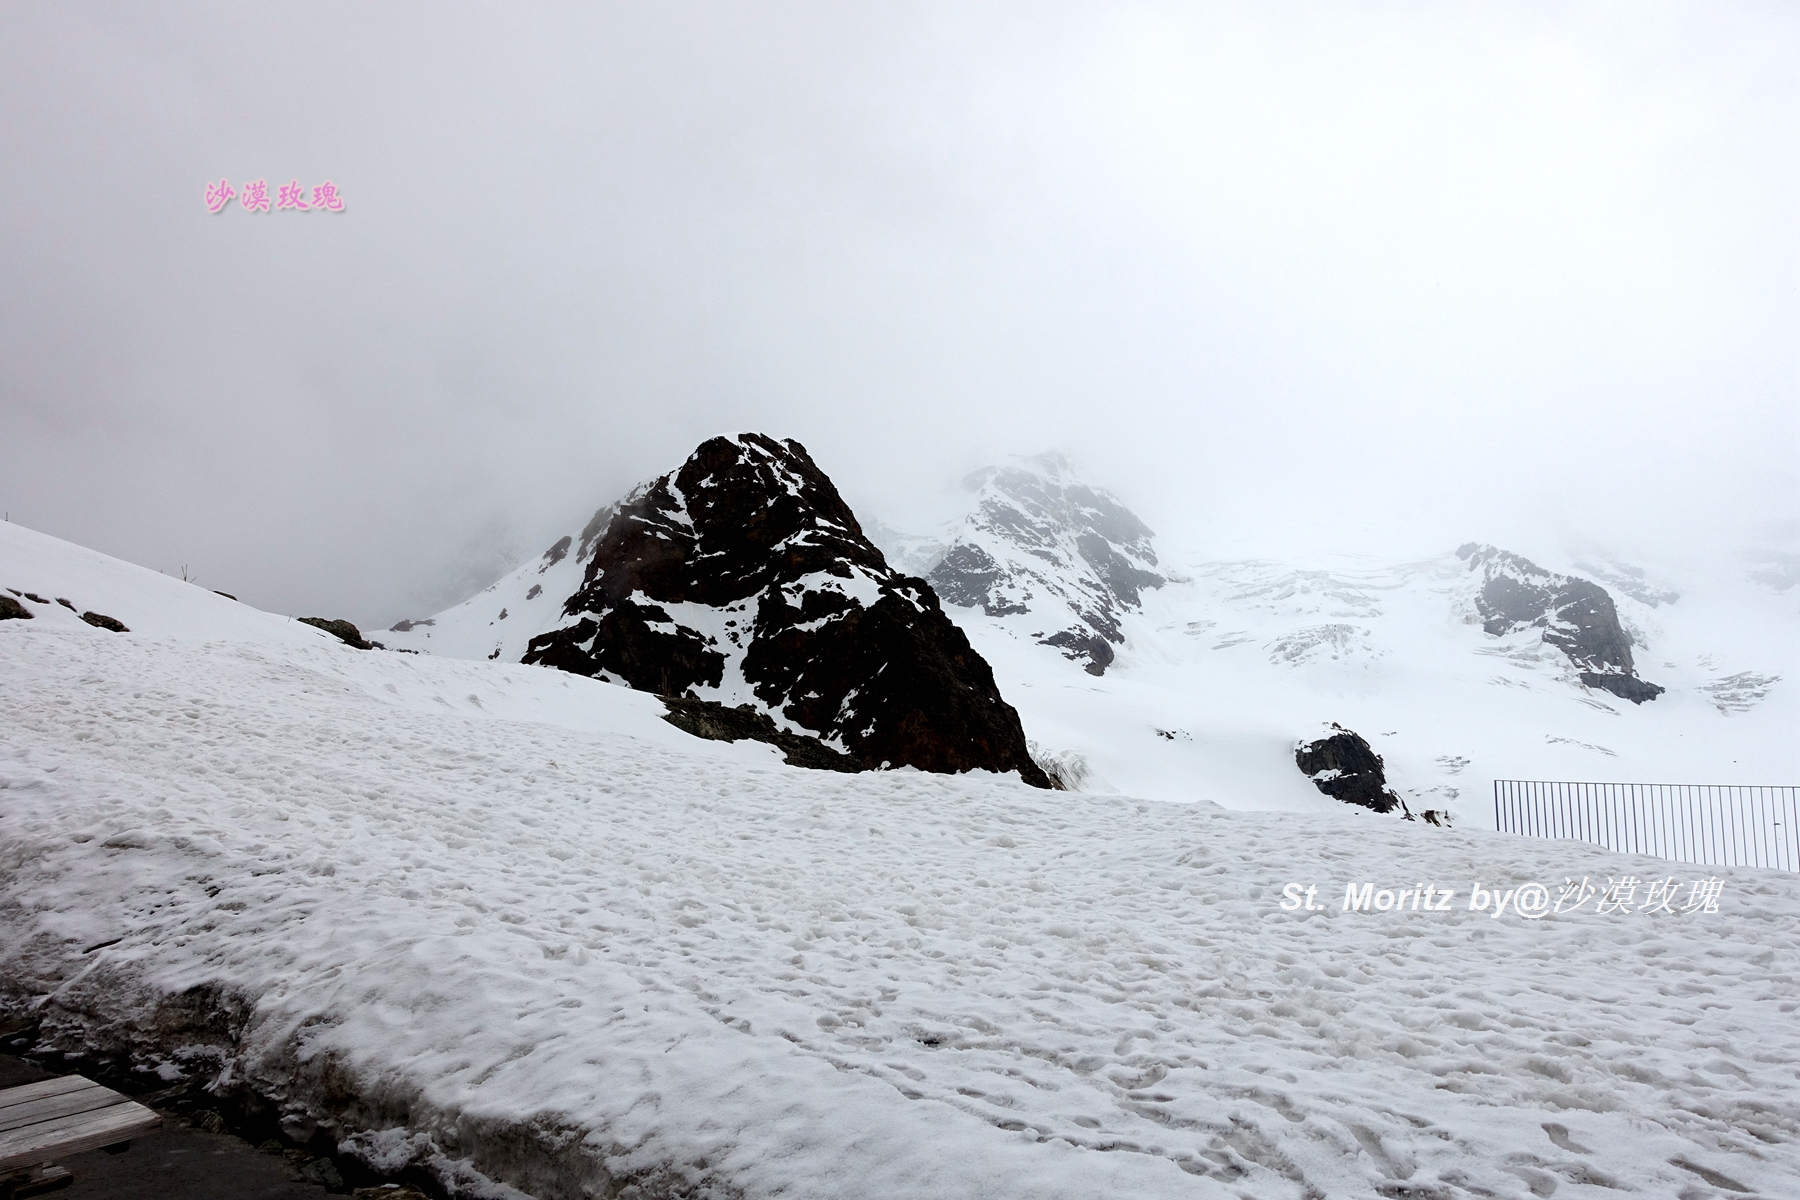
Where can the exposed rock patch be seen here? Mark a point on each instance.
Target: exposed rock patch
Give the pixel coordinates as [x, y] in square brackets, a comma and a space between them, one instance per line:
[343, 630]
[712, 720]
[556, 553]
[1345, 767]
[12, 610]
[745, 575]
[102, 621]
[1577, 617]
[1625, 687]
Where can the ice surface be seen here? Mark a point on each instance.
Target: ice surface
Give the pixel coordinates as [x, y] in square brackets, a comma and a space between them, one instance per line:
[507, 923]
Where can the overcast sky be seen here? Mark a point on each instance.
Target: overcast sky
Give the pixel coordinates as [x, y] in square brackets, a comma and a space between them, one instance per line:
[1384, 276]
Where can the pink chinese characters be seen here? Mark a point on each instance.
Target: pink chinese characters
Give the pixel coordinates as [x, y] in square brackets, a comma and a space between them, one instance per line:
[218, 195]
[290, 196]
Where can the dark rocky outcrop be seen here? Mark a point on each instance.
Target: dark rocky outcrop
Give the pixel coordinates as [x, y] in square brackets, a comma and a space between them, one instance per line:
[404, 626]
[743, 572]
[1625, 687]
[1042, 542]
[12, 610]
[1079, 643]
[102, 621]
[1577, 616]
[344, 631]
[712, 720]
[556, 553]
[1343, 766]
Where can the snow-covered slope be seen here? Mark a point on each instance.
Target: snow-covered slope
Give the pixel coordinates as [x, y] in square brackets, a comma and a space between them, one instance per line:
[56, 581]
[499, 621]
[504, 923]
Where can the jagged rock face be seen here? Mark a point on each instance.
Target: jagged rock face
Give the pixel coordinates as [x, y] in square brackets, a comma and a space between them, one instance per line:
[743, 576]
[1578, 617]
[1345, 767]
[1044, 543]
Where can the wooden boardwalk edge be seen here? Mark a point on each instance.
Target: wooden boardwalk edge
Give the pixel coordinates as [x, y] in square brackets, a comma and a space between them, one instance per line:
[41, 1122]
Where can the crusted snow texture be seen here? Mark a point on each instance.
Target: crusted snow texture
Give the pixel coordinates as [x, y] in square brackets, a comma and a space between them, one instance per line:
[1577, 616]
[1344, 766]
[1041, 541]
[744, 575]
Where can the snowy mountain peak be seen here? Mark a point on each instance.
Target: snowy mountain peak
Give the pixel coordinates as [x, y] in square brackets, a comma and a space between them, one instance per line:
[743, 577]
[1042, 542]
[744, 511]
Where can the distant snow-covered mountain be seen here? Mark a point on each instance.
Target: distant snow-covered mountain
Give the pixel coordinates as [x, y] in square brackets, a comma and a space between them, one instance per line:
[1199, 675]
[1577, 616]
[1039, 541]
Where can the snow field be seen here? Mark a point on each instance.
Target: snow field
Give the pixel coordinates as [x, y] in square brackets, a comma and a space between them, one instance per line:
[510, 924]
[1234, 662]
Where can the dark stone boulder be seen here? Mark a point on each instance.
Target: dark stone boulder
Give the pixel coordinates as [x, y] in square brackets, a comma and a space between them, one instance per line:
[745, 564]
[1344, 767]
[102, 621]
[12, 610]
[344, 631]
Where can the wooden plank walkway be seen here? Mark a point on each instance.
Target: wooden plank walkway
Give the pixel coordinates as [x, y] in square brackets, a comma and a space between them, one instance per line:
[41, 1122]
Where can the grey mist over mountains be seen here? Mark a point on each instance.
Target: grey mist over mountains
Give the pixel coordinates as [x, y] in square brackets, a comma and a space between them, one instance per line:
[1384, 279]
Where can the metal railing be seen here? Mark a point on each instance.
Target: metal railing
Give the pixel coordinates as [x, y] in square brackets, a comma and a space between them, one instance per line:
[1727, 825]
